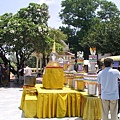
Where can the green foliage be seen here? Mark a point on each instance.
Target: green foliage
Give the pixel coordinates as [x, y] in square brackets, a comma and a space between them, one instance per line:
[26, 32]
[56, 35]
[31, 62]
[91, 23]
[13, 64]
[1, 61]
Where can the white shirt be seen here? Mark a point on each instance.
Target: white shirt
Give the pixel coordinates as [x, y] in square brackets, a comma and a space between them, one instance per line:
[27, 71]
[108, 78]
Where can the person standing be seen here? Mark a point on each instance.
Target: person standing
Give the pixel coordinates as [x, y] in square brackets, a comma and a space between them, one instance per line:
[21, 75]
[108, 89]
[0, 75]
[27, 71]
[4, 80]
[101, 67]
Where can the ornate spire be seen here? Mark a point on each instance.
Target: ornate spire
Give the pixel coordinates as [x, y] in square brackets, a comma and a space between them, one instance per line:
[53, 57]
[54, 49]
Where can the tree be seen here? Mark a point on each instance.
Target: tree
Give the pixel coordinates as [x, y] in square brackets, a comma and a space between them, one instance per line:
[77, 15]
[57, 35]
[27, 32]
[104, 34]
[24, 32]
[86, 23]
[4, 49]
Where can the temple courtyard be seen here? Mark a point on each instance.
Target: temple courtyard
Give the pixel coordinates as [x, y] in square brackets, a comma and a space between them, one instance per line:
[10, 98]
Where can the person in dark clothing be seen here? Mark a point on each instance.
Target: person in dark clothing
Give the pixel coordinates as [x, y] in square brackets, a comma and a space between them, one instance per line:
[101, 67]
[39, 73]
[21, 75]
[0, 75]
[4, 80]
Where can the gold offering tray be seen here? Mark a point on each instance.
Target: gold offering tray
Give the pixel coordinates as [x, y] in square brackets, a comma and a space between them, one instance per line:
[30, 90]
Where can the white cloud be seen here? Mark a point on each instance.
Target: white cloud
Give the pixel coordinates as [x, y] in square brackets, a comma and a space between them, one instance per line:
[46, 1]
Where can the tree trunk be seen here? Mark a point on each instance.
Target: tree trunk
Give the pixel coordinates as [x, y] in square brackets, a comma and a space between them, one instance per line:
[43, 63]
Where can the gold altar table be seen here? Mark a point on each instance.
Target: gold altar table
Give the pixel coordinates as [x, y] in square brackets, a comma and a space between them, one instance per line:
[61, 103]
[58, 103]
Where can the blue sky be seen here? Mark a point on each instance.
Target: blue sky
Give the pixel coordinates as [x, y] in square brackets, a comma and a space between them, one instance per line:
[54, 8]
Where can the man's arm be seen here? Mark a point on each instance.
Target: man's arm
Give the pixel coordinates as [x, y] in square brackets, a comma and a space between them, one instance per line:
[99, 89]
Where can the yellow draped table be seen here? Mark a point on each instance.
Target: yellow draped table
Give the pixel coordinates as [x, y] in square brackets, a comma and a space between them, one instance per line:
[29, 102]
[53, 78]
[91, 108]
[58, 103]
[61, 103]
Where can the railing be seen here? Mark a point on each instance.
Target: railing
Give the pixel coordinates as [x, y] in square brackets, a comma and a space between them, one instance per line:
[34, 70]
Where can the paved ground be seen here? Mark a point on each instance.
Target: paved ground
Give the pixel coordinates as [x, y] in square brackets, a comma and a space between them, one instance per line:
[10, 98]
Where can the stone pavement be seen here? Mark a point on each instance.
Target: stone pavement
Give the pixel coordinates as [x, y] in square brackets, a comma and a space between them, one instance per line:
[10, 98]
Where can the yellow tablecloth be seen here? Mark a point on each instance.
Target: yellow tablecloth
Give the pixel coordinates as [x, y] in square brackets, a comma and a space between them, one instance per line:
[29, 102]
[63, 103]
[58, 103]
[90, 107]
[30, 109]
[53, 78]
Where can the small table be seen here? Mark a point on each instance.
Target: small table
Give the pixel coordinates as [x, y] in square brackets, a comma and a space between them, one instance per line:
[91, 107]
[29, 101]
